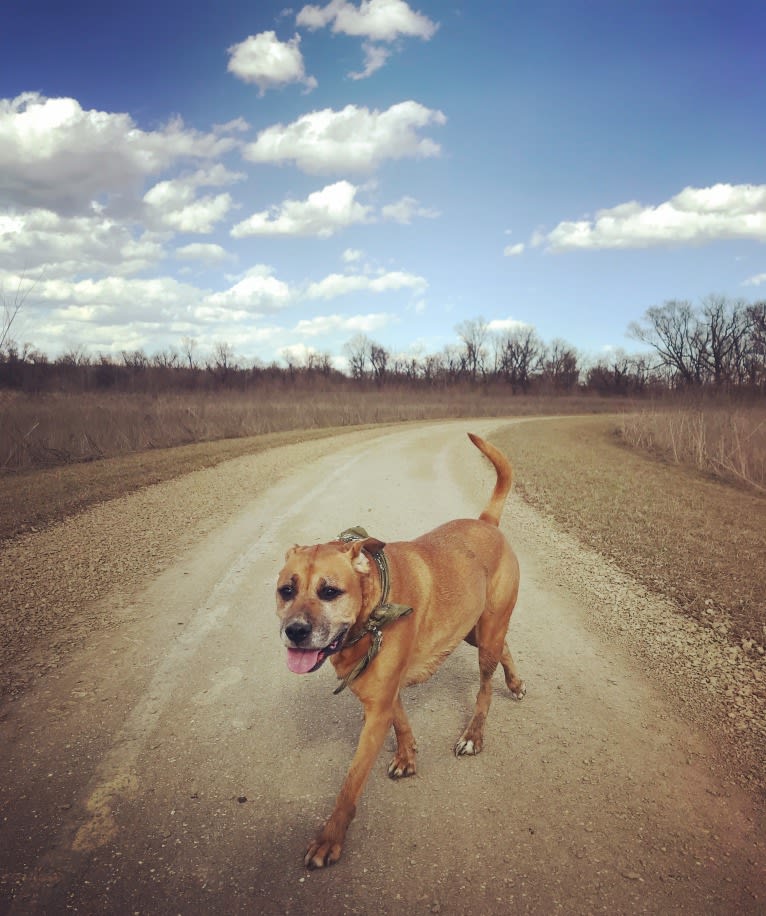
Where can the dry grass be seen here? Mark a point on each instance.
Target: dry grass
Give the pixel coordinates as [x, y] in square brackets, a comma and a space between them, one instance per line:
[699, 540]
[50, 430]
[726, 442]
[34, 498]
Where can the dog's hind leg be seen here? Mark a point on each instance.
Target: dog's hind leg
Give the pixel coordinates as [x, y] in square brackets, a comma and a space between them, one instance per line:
[512, 680]
[489, 637]
[403, 763]
[472, 739]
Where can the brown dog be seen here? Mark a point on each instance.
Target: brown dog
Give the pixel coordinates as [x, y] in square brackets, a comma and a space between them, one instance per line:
[459, 581]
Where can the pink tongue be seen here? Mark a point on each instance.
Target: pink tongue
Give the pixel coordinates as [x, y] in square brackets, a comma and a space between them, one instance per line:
[301, 661]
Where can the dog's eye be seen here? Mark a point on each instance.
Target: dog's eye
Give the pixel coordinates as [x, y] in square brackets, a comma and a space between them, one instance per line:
[287, 592]
[329, 592]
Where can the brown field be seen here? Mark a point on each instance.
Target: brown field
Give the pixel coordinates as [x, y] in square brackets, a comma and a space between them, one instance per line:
[58, 429]
[680, 532]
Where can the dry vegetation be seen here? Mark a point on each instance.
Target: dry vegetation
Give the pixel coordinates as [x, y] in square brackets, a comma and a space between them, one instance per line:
[57, 429]
[682, 533]
[723, 440]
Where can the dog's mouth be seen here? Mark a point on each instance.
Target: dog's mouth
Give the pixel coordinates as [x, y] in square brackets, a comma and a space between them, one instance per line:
[304, 661]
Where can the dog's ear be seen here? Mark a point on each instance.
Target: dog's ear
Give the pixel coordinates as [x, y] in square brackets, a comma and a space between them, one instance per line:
[292, 550]
[359, 559]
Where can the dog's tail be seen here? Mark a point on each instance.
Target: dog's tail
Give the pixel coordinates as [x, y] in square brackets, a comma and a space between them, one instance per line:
[494, 508]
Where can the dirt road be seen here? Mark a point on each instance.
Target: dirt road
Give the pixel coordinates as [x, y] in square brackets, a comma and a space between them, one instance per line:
[172, 764]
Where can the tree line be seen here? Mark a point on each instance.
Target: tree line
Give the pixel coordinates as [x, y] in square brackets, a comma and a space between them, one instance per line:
[720, 344]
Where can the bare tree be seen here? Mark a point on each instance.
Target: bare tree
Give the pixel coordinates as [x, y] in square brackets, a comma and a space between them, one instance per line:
[680, 340]
[379, 358]
[473, 333]
[518, 355]
[358, 353]
[725, 330]
[560, 366]
[754, 359]
[188, 348]
[223, 359]
[166, 359]
[11, 306]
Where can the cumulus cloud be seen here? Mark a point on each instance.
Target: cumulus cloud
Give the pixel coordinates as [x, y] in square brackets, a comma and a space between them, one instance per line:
[56, 155]
[406, 209]
[208, 253]
[332, 324]
[354, 139]
[757, 280]
[322, 214]
[257, 292]
[511, 251]
[61, 246]
[268, 62]
[336, 285]
[378, 20]
[694, 216]
[173, 204]
[352, 255]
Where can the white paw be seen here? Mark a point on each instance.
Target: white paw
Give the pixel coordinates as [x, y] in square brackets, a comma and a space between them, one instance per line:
[520, 693]
[465, 748]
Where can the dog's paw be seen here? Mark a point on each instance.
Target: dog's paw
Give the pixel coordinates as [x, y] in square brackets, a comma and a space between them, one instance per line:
[321, 854]
[519, 691]
[467, 747]
[400, 767]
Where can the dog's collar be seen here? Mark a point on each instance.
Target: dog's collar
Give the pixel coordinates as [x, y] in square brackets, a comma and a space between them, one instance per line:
[383, 613]
[381, 561]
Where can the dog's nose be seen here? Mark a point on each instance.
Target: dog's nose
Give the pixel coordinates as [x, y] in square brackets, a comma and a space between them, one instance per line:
[298, 631]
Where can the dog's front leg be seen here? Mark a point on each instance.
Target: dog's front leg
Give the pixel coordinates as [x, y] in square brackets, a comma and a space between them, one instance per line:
[327, 846]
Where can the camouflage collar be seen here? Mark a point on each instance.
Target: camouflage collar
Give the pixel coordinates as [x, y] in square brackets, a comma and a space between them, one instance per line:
[382, 614]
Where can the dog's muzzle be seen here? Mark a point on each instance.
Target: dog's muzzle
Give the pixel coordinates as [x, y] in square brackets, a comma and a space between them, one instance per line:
[304, 661]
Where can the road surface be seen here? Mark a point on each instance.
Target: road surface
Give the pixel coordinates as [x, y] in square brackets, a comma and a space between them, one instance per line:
[172, 763]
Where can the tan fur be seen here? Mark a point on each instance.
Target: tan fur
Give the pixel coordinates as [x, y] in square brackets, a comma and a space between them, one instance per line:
[461, 579]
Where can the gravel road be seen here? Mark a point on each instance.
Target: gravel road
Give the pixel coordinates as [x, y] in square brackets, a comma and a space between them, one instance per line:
[156, 755]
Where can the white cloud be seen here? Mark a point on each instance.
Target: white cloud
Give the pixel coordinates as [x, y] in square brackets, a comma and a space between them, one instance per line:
[501, 325]
[259, 291]
[173, 204]
[206, 252]
[379, 20]
[269, 63]
[352, 139]
[322, 214]
[336, 285]
[511, 251]
[56, 155]
[332, 324]
[756, 280]
[61, 246]
[694, 216]
[352, 255]
[375, 57]
[406, 209]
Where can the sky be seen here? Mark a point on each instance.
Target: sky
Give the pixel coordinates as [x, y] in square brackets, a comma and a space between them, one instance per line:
[281, 179]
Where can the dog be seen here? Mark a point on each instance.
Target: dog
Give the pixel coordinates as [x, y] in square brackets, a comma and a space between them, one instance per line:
[457, 582]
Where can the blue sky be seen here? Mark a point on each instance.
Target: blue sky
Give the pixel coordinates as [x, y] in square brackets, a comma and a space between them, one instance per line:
[282, 179]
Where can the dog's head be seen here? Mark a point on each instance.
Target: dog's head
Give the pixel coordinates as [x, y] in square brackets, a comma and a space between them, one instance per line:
[320, 592]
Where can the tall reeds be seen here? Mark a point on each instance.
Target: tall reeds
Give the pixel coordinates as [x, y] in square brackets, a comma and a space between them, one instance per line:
[724, 440]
